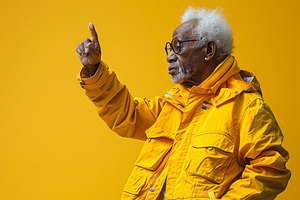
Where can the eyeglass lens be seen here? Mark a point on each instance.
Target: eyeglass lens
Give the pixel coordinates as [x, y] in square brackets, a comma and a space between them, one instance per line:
[174, 45]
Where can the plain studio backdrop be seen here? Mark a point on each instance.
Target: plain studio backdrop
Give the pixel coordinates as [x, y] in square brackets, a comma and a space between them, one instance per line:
[53, 146]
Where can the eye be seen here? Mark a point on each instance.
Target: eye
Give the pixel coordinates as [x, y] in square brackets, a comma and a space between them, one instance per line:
[176, 45]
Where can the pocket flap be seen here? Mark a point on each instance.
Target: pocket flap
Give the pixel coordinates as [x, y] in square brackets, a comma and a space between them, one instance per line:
[153, 153]
[135, 185]
[217, 140]
[157, 131]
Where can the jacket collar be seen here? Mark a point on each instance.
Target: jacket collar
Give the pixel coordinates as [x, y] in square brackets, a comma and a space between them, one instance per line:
[223, 71]
[226, 82]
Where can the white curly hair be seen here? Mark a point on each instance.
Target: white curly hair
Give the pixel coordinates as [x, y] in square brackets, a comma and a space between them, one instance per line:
[212, 26]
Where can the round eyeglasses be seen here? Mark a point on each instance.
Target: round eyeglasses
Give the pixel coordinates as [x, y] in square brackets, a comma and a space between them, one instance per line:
[175, 45]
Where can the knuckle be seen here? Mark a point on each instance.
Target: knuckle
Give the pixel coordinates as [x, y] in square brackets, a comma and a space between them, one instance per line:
[86, 40]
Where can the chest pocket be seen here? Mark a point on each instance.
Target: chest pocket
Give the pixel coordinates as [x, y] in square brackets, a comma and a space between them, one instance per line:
[155, 149]
[209, 156]
[153, 154]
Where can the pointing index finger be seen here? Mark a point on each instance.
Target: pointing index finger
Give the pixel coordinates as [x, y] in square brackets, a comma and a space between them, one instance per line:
[94, 34]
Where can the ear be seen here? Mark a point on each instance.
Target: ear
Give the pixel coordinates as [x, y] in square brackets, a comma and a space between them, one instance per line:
[211, 49]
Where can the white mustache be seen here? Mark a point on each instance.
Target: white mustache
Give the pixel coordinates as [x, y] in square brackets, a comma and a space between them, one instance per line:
[175, 66]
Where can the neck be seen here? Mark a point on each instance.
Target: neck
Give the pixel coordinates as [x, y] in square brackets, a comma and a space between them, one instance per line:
[200, 76]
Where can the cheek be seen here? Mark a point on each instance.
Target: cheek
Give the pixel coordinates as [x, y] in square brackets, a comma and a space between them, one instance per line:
[196, 60]
[182, 65]
[187, 64]
[184, 60]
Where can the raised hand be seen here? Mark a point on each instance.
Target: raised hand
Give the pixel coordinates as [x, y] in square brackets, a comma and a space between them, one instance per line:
[89, 51]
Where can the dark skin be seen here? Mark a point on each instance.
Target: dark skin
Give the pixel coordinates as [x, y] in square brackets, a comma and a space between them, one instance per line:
[202, 61]
[89, 53]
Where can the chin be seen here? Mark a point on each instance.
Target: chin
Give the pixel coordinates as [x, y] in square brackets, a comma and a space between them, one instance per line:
[177, 81]
[180, 78]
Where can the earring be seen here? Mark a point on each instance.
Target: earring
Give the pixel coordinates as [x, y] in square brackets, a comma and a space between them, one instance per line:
[205, 59]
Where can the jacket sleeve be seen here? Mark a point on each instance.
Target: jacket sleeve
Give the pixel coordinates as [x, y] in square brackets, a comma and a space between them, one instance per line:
[125, 115]
[261, 153]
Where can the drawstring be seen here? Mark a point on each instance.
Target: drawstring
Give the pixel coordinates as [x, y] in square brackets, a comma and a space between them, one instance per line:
[211, 195]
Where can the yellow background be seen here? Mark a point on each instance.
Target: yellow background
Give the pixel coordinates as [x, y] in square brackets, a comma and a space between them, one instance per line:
[53, 146]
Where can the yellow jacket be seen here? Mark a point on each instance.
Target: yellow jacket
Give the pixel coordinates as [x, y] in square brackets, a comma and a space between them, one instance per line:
[218, 140]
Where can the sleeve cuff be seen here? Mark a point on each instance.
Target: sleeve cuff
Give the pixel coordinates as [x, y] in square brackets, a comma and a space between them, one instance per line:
[97, 79]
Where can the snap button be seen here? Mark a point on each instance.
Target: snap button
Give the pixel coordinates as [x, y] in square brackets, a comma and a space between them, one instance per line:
[236, 92]
[152, 189]
[216, 102]
[178, 137]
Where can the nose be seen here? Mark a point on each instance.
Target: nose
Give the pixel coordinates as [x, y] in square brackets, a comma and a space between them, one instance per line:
[171, 57]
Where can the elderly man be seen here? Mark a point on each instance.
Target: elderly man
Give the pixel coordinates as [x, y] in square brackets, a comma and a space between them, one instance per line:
[211, 136]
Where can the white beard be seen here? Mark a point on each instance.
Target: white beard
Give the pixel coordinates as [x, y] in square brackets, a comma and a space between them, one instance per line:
[181, 76]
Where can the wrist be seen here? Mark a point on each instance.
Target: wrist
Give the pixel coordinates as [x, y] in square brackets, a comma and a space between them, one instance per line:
[89, 70]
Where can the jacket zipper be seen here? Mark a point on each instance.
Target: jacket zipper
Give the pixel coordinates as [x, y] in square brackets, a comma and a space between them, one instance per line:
[211, 195]
[153, 183]
[156, 177]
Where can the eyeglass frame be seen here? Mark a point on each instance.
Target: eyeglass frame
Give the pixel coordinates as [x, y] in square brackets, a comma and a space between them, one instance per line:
[180, 42]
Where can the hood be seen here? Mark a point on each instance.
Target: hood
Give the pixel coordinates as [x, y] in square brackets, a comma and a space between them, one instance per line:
[227, 88]
[253, 84]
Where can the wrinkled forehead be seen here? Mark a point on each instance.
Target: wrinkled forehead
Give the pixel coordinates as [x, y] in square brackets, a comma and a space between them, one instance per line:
[186, 29]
